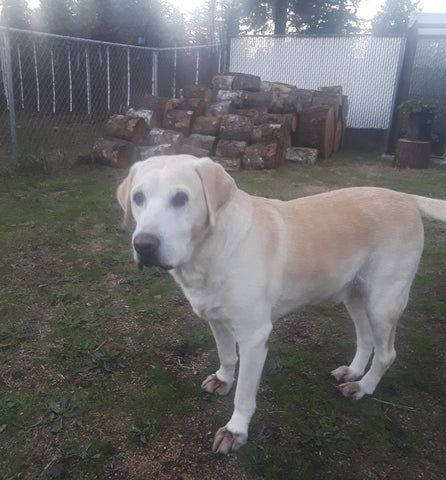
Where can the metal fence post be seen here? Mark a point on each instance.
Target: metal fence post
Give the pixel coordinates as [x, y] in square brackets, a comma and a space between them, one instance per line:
[88, 73]
[155, 73]
[197, 67]
[10, 90]
[174, 80]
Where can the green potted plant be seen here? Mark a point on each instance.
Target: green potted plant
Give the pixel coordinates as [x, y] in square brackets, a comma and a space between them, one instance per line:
[420, 112]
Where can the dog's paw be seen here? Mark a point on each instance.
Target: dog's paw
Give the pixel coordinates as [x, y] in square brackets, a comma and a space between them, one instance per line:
[214, 385]
[226, 442]
[351, 390]
[345, 374]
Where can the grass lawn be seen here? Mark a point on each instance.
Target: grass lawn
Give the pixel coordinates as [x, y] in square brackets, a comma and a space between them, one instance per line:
[101, 364]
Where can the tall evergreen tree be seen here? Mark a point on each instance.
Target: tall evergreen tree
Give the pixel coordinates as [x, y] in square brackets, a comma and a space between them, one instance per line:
[393, 18]
[57, 16]
[15, 14]
[326, 17]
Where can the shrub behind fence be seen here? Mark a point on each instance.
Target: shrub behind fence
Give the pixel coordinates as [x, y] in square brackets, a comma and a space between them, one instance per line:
[56, 92]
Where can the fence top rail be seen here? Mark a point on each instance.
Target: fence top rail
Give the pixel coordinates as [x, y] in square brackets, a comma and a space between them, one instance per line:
[318, 35]
[110, 44]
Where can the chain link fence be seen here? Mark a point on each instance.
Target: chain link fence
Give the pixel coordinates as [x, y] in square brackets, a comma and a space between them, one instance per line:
[56, 92]
[428, 78]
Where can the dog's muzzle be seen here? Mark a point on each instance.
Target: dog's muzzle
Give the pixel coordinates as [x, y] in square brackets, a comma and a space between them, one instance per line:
[147, 247]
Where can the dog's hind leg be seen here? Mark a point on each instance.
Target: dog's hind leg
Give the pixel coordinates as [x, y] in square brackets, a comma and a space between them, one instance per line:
[364, 342]
[221, 382]
[385, 306]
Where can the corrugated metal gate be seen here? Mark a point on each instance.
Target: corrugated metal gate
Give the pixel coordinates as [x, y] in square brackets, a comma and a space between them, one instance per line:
[367, 68]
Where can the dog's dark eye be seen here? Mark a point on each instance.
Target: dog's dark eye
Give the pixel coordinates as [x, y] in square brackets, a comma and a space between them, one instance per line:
[179, 199]
[139, 198]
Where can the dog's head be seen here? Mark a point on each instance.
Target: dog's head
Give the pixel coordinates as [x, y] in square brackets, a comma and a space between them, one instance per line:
[174, 201]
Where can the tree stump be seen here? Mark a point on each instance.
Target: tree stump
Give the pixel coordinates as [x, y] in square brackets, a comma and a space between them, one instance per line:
[412, 154]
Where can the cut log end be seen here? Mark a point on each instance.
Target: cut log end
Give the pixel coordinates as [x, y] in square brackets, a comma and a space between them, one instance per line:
[412, 154]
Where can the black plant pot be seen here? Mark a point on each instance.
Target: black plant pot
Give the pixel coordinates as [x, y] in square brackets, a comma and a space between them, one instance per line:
[420, 126]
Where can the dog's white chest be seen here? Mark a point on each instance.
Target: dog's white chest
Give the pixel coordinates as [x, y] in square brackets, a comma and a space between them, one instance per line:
[202, 294]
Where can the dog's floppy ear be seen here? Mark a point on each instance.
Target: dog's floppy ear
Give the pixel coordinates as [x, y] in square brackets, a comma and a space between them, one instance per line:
[218, 186]
[123, 195]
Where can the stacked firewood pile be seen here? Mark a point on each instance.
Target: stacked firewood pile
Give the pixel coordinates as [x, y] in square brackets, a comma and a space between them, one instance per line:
[239, 121]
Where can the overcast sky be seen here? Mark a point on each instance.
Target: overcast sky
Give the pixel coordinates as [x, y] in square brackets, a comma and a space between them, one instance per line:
[367, 8]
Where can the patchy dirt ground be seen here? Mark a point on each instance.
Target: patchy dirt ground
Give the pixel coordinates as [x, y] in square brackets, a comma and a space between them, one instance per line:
[101, 364]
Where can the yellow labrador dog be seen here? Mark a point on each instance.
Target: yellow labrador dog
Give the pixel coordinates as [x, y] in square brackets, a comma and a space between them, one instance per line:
[244, 261]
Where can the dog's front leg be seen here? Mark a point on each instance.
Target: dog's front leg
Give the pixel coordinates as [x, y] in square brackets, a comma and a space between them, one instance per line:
[221, 382]
[252, 350]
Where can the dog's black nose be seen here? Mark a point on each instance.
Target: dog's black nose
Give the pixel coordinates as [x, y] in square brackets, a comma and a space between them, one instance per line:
[146, 244]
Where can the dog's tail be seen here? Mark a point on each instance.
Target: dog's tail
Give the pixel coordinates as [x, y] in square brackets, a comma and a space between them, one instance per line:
[430, 207]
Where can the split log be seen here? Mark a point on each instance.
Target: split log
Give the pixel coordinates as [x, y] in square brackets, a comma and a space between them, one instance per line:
[333, 99]
[230, 148]
[306, 97]
[189, 149]
[301, 155]
[150, 117]
[260, 156]
[113, 152]
[285, 99]
[125, 127]
[197, 91]
[207, 125]
[337, 138]
[179, 120]
[343, 112]
[253, 113]
[316, 129]
[336, 89]
[147, 151]
[236, 127]
[265, 86]
[289, 120]
[230, 164]
[236, 81]
[161, 105]
[196, 105]
[269, 133]
[220, 108]
[161, 136]
[258, 100]
[206, 142]
[237, 97]
[412, 154]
